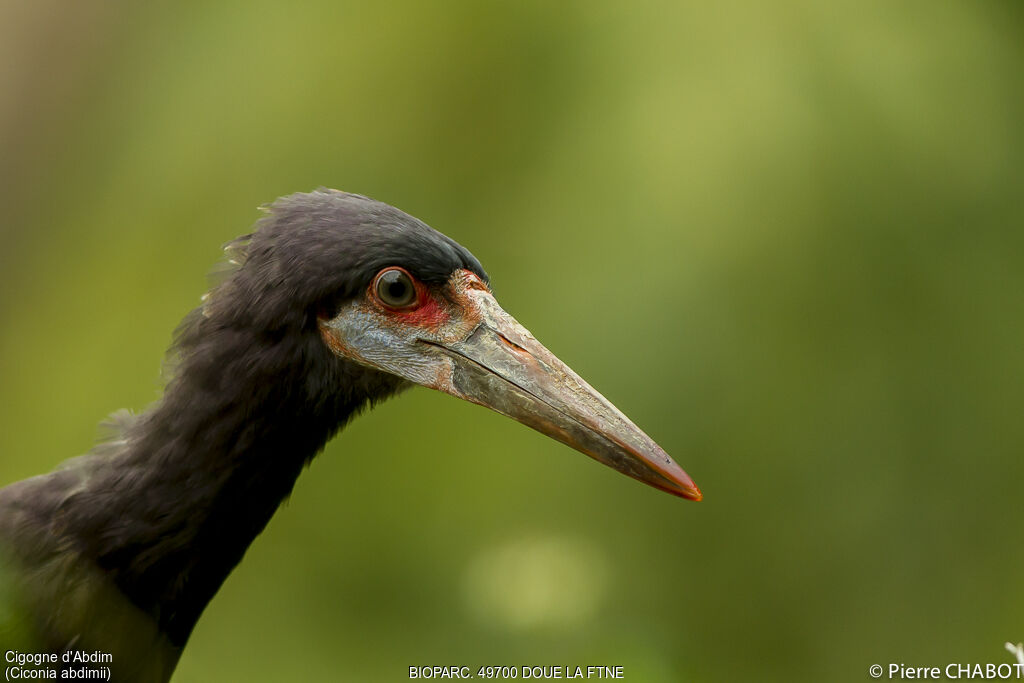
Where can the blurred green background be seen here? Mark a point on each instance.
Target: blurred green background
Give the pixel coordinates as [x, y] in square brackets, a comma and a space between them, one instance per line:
[785, 238]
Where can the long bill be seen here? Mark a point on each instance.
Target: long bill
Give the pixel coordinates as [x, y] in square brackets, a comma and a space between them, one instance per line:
[463, 343]
[500, 365]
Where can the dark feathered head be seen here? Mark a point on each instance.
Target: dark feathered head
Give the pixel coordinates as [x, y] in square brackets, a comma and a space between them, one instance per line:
[313, 251]
[383, 291]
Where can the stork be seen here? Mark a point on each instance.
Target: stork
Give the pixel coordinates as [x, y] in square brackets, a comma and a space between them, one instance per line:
[333, 303]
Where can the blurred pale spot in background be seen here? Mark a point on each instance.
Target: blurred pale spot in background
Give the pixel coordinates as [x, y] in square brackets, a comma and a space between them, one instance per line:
[538, 581]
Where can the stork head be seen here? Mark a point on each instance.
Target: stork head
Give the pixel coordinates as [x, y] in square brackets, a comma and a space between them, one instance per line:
[390, 293]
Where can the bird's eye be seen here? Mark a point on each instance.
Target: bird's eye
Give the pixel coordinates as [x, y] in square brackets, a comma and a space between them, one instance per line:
[395, 288]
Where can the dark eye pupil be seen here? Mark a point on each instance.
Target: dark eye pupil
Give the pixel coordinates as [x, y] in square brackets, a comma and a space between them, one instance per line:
[395, 288]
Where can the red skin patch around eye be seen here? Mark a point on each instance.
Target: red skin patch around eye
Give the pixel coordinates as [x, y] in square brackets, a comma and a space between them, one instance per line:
[429, 313]
[434, 307]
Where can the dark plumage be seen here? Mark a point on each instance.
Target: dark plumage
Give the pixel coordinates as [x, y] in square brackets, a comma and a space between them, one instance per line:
[121, 550]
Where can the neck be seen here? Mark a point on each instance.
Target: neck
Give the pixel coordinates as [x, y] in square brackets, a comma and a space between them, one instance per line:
[201, 473]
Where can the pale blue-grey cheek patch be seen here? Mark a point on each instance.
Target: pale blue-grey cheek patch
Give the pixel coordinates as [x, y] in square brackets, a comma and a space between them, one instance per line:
[376, 342]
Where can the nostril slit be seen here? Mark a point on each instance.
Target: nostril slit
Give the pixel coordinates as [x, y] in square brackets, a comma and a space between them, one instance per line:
[512, 344]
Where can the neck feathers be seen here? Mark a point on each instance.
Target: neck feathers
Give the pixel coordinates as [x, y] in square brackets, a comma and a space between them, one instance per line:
[195, 479]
